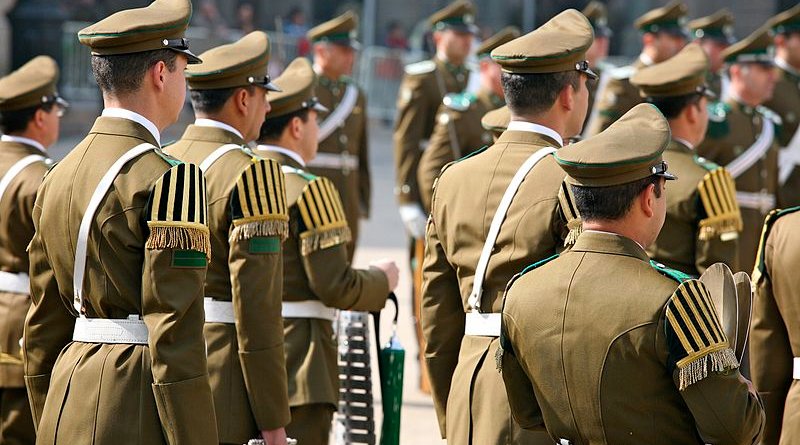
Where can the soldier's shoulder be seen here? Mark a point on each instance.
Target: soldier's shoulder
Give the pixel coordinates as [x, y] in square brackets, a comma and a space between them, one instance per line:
[467, 157]
[672, 274]
[770, 221]
[770, 114]
[459, 101]
[718, 120]
[171, 161]
[531, 267]
[422, 68]
[704, 163]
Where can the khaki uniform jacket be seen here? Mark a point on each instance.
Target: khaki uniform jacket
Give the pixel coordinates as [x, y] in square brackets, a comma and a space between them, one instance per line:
[775, 332]
[591, 352]
[424, 86]
[727, 140]
[457, 133]
[616, 99]
[16, 231]
[786, 103]
[315, 267]
[351, 139]
[467, 390]
[246, 362]
[147, 255]
[703, 217]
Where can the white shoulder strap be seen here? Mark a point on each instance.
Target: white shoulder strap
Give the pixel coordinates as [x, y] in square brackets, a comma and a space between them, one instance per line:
[287, 169]
[16, 169]
[216, 154]
[86, 223]
[755, 152]
[497, 221]
[338, 116]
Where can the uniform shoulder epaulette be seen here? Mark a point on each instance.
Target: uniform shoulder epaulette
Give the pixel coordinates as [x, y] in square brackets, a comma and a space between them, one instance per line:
[759, 271]
[566, 201]
[718, 125]
[323, 223]
[308, 176]
[696, 341]
[176, 211]
[768, 113]
[172, 161]
[623, 72]
[723, 218]
[423, 67]
[705, 163]
[673, 274]
[459, 101]
[258, 202]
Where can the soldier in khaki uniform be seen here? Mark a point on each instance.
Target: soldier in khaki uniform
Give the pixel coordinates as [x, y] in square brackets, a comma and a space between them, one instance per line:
[30, 110]
[714, 33]
[703, 219]
[741, 137]
[343, 155]
[786, 102]
[602, 345]
[597, 13]
[775, 333]
[318, 278]
[113, 344]
[663, 35]
[467, 263]
[457, 132]
[247, 221]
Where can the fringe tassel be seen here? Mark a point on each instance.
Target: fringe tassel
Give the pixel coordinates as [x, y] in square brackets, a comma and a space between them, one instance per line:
[713, 228]
[179, 237]
[698, 369]
[253, 229]
[575, 227]
[313, 241]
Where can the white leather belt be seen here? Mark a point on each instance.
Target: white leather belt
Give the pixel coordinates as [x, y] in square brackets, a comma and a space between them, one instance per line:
[18, 283]
[796, 373]
[307, 309]
[130, 331]
[481, 324]
[218, 311]
[335, 161]
[761, 201]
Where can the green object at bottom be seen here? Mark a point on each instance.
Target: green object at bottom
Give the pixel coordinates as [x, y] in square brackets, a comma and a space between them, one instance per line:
[391, 358]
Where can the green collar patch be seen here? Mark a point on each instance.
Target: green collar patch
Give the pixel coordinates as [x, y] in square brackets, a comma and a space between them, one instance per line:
[676, 275]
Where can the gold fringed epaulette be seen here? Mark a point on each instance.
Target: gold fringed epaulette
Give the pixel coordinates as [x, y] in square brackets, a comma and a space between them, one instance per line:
[258, 202]
[697, 343]
[178, 216]
[718, 194]
[323, 223]
[574, 223]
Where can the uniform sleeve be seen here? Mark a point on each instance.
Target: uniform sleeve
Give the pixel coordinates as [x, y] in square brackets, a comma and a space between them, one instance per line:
[438, 154]
[412, 115]
[705, 369]
[174, 271]
[442, 317]
[364, 175]
[720, 221]
[521, 397]
[259, 225]
[324, 235]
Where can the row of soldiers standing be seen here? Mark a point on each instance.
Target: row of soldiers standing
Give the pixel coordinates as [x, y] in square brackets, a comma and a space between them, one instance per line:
[577, 374]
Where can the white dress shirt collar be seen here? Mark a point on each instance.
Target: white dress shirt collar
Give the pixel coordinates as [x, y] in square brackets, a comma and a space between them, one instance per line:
[647, 60]
[284, 151]
[23, 140]
[205, 122]
[136, 117]
[684, 142]
[536, 128]
[784, 65]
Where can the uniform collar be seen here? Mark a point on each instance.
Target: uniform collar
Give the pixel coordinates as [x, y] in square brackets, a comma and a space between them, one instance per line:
[205, 122]
[136, 117]
[328, 82]
[23, 140]
[645, 60]
[609, 243]
[681, 144]
[536, 128]
[784, 65]
[284, 151]
[735, 101]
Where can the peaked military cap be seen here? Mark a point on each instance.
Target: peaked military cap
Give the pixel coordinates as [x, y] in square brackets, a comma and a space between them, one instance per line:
[296, 86]
[558, 45]
[496, 120]
[458, 16]
[341, 31]
[158, 26]
[597, 13]
[629, 150]
[670, 19]
[237, 64]
[717, 26]
[757, 47]
[30, 85]
[685, 73]
[505, 35]
[786, 21]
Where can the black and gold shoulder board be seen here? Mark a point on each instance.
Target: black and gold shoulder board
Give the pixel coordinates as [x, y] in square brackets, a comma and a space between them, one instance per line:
[718, 195]
[760, 269]
[177, 212]
[697, 343]
[323, 222]
[258, 201]
[574, 223]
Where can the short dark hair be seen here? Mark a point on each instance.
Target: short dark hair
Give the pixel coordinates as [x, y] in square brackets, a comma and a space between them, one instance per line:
[272, 128]
[17, 120]
[212, 101]
[611, 203]
[672, 106]
[123, 73]
[531, 94]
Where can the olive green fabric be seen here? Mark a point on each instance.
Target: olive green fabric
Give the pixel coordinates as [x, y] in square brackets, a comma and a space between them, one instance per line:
[340, 30]
[757, 47]
[311, 423]
[296, 85]
[239, 64]
[505, 35]
[496, 120]
[785, 102]
[668, 18]
[459, 15]
[597, 13]
[787, 21]
[29, 85]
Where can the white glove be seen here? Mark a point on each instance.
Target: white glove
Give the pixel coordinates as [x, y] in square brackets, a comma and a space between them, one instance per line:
[414, 219]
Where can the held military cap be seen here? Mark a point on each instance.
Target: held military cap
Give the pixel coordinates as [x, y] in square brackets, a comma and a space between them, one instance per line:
[237, 64]
[158, 26]
[458, 16]
[628, 150]
[558, 45]
[496, 120]
[787, 21]
[597, 13]
[683, 74]
[505, 35]
[341, 31]
[31, 85]
[296, 86]
[717, 26]
[670, 19]
[757, 47]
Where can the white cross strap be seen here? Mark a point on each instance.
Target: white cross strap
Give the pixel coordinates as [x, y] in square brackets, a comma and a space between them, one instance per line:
[216, 154]
[755, 152]
[337, 117]
[16, 169]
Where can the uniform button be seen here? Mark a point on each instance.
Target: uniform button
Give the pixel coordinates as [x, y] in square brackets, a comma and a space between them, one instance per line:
[405, 188]
[764, 174]
[335, 91]
[343, 138]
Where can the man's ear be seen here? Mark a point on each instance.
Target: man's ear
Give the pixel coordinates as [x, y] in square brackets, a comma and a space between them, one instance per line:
[566, 97]
[296, 126]
[241, 98]
[780, 40]
[648, 38]
[647, 200]
[39, 117]
[158, 75]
